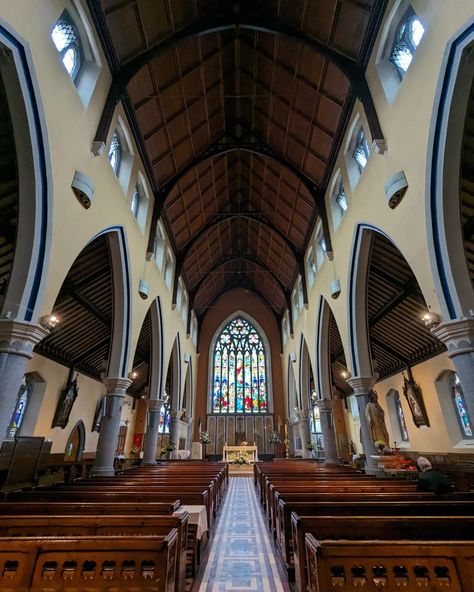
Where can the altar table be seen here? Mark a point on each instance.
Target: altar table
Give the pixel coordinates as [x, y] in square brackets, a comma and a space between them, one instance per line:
[230, 452]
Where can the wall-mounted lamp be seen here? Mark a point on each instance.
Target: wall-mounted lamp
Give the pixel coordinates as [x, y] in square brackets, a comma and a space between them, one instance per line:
[133, 374]
[293, 357]
[431, 319]
[49, 321]
[345, 374]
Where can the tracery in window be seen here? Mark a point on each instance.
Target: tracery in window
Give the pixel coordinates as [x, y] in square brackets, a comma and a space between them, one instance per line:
[24, 395]
[68, 43]
[239, 370]
[316, 429]
[460, 406]
[407, 38]
[361, 150]
[400, 418]
[115, 153]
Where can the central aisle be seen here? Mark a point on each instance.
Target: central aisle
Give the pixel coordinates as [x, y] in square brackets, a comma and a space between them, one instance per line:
[241, 556]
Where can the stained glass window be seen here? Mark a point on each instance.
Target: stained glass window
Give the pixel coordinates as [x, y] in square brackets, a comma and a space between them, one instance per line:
[240, 370]
[115, 153]
[68, 44]
[401, 418]
[407, 38]
[164, 426]
[361, 150]
[460, 406]
[24, 394]
[316, 429]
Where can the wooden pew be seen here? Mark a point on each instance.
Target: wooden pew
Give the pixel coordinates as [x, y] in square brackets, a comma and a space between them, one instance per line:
[372, 530]
[15, 526]
[90, 563]
[428, 507]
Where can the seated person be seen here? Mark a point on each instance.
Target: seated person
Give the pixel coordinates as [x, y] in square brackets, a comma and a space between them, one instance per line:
[431, 480]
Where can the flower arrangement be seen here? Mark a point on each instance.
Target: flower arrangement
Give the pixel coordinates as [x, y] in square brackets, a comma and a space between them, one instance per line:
[168, 449]
[204, 438]
[274, 438]
[135, 449]
[310, 445]
[380, 444]
[240, 459]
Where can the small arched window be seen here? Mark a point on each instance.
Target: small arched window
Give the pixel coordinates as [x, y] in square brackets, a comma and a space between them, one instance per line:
[361, 150]
[400, 418]
[68, 43]
[23, 399]
[460, 407]
[115, 153]
[407, 38]
[240, 380]
[316, 429]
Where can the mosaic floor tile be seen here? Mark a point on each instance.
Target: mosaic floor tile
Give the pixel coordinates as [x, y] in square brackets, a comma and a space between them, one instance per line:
[241, 556]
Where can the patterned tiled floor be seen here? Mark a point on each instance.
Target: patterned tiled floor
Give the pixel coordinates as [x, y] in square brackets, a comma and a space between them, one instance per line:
[241, 556]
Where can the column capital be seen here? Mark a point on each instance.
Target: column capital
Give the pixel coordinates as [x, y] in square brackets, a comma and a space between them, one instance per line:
[117, 386]
[325, 405]
[302, 414]
[361, 385]
[19, 337]
[154, 405]
[457, 335]
[176, 414]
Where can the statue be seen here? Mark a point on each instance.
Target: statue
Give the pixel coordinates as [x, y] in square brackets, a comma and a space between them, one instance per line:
[375, 417]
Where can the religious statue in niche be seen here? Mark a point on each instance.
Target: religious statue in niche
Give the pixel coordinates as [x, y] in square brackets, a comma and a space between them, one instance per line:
[375, 417]
[414, 397]
[66, 401]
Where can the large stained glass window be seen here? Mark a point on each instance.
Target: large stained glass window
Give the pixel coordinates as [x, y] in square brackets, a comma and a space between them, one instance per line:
[240, 370]
[316, 429]
[460, 406]
[24, 394]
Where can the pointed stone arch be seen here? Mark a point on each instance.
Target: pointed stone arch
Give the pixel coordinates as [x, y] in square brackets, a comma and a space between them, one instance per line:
[25, 287]
[445, 230]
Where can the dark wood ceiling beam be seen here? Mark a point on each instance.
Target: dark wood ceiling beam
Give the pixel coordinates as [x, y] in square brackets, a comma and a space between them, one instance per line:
[412, 292]
[390, 351]
[247, 17]
[91, 351]
[400, 296]
[70, 290]
[251, 259]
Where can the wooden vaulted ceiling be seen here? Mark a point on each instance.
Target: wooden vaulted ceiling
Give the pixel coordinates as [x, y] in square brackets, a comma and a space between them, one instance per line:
[239, 108]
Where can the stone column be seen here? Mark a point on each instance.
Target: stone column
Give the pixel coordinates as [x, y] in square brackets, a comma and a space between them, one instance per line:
[327, 425]
[17, 340]
[175, 421]
[305, 431]
[109, 426]
[151, 434]
[362, 385]
[458, 337]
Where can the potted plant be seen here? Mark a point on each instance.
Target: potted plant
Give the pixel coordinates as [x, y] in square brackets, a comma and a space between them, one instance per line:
[168, 449]
[205, 439]
[310, 446]
[380, 445]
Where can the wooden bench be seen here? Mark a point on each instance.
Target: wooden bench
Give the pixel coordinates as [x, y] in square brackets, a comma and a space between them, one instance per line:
[352, 530]
[144, 563]
[430, 507]
[15, 526]
[411, 566]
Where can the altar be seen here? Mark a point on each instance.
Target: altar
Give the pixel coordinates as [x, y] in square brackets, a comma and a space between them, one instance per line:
[231, 452]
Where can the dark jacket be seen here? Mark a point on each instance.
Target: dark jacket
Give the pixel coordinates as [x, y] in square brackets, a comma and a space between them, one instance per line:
[434, 481]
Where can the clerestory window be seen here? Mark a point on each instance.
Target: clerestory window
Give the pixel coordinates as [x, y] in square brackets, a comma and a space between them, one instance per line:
[407, 38]
[68, 43]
